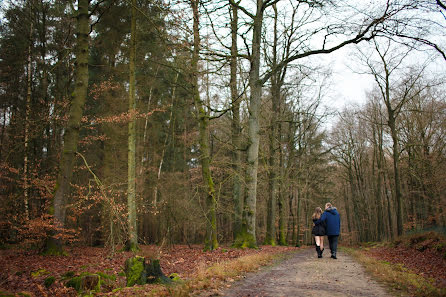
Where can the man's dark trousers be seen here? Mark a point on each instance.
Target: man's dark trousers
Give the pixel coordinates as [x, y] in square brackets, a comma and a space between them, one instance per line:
[333, 241]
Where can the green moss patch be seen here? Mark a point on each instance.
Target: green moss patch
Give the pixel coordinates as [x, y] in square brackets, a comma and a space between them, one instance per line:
[175, 277]
[49, 281]
[86, 282]
[39, 273]
[135, 272]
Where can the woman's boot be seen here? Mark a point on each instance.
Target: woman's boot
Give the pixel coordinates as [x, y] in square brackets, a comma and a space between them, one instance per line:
[318, 250]
[322, 251]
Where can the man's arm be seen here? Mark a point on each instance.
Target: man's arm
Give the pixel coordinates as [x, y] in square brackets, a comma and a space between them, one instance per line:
[321, 219]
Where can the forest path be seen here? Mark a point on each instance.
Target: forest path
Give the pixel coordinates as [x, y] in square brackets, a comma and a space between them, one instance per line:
[305, 275]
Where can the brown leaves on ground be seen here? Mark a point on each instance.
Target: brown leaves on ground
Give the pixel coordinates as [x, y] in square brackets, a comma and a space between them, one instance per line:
[18, 265]
[424, 254]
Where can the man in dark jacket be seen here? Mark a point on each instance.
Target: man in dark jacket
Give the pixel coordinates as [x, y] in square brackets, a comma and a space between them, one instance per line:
[332, 219]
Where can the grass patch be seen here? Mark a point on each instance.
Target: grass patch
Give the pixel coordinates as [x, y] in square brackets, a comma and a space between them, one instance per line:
[401, 280]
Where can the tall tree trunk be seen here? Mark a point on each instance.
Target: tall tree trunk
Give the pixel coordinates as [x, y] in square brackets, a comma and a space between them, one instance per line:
[272, 170]
[378, 192]
[389, 207]
[291, 223]
[132, 243]
[282, 202]
[298, 211]
[166, 139]
[26, 132]
[354, 200]
[347, 209]
[211, 242]
[248, 236]
[396, 171]
[73, 126]
[270, 238]
[236, 130]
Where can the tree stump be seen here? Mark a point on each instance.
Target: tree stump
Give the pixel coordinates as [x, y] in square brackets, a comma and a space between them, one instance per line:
[86, 282]
[138, 272]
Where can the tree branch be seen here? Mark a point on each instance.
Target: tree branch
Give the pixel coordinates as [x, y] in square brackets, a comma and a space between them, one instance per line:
[245, 11]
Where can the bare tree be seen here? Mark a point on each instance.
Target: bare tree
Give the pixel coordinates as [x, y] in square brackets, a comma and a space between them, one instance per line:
[370, 26]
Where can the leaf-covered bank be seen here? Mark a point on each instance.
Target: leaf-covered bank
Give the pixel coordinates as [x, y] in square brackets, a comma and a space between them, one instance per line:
[413, 265]
[194, 269]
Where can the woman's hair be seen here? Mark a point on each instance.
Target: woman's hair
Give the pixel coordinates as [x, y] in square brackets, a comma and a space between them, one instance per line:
[328, 205]
[317, 213]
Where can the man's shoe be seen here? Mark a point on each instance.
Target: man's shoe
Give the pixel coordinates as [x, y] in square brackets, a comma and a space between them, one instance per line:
[333, 256]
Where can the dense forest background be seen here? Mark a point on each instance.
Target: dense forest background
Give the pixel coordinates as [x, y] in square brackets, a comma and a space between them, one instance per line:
[143, 121]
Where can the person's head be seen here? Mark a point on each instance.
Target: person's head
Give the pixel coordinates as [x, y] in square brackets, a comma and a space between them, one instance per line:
[328, 205]
[317, 213]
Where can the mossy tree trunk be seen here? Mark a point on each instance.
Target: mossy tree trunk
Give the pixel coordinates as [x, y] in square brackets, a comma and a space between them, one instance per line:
[247, 238]
[131, 188]
[211, 242]
[71, 136]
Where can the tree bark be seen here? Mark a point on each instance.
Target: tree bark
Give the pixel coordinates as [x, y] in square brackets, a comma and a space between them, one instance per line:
[71, 136]
[272, 170]
[396, 171]
[132, 243]
[248, 235]
[378, 192]
[211, 242]
[26, 132]
[236, 130]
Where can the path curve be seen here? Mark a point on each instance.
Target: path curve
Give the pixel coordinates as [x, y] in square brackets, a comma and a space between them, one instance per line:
[305, 275]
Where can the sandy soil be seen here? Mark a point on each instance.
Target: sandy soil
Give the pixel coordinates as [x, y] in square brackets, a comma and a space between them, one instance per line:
[305, 275]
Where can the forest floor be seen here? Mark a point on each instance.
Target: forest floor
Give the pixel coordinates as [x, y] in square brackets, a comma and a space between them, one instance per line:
[412, 266]
[25, 271]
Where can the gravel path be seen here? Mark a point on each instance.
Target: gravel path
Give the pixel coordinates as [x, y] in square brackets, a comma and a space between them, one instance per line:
[305, 275]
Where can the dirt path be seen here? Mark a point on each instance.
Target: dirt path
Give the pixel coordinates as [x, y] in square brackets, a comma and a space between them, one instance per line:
[306, 275]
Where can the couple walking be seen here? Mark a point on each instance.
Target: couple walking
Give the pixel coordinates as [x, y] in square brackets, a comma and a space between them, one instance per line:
[327, 223]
